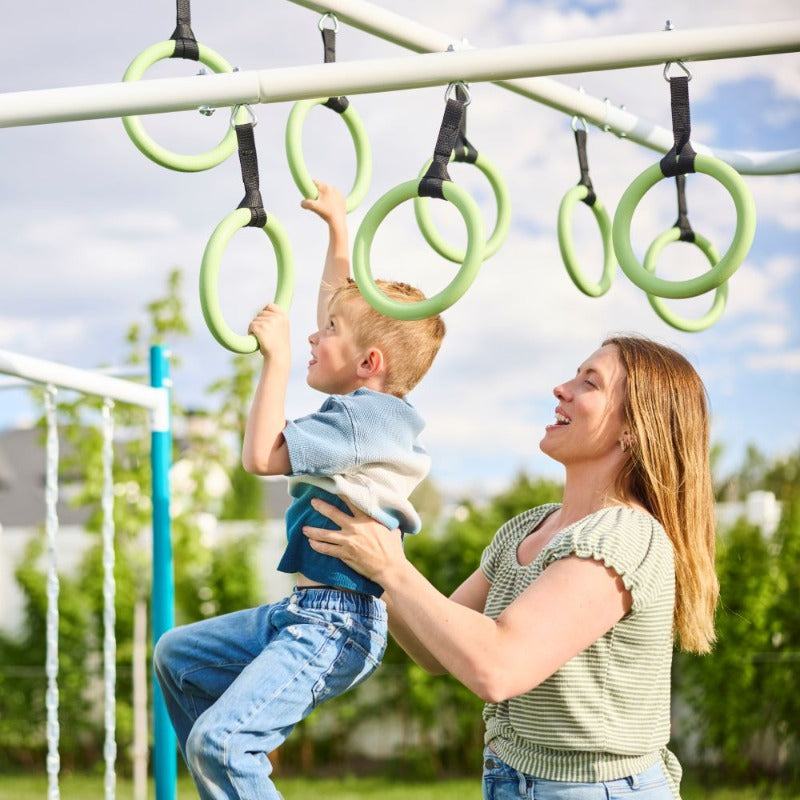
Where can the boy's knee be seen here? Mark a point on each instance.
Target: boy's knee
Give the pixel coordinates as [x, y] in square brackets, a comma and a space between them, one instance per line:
[203, 747]
[165, 651]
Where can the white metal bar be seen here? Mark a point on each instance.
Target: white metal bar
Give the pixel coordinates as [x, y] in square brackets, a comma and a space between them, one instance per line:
[318, 80]
[408, 33]
[39, 371]
[117, 372]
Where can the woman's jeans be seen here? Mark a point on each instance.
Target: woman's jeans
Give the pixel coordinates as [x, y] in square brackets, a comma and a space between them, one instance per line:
[501, 782]
[236, 685]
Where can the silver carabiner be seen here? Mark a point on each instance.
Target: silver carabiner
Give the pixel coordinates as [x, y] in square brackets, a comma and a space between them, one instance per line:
[329, 15]
[681, 65]
[456, 85]
[581, 121]
[235, 111]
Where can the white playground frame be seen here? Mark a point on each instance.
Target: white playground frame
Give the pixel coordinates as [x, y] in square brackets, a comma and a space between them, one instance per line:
[440, 60]
[156, 399]
[513, 67]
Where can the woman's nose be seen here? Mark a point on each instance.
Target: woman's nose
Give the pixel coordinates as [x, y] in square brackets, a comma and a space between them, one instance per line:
[313, 338]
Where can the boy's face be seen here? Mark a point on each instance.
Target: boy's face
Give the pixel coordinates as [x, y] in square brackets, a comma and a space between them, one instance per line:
[335, 355]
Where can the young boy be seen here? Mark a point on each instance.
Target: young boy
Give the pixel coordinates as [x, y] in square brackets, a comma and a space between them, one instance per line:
[235, 686]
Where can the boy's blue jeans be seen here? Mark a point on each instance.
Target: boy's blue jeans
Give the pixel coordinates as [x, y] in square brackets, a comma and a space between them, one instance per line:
[236, 685]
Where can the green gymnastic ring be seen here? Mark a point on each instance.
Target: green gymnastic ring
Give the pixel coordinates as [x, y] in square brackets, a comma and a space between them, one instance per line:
[720, 272]
[473, 257]
[502, 224]
[209, 277]
[147, 145]
[565, 242]
[658, 304]
[297, 164]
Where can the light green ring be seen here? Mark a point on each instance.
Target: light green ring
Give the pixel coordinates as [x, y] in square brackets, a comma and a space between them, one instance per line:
[297, 164]
[565, 242]
[147, 145]
[727, 265]
[209, 277]
[502, 224]
[473, 257]
[658, 304]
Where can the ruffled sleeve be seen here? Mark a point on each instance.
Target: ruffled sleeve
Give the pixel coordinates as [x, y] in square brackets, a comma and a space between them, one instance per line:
[627, 540]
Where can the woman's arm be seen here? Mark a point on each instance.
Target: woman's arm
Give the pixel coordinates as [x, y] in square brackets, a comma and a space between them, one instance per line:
[572, 604]
[472, 594]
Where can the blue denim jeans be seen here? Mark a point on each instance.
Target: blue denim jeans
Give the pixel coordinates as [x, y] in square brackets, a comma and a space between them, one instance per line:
[501, 782]
[236, 685]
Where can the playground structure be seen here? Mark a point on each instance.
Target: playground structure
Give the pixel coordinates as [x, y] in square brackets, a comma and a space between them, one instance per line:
[521, 69]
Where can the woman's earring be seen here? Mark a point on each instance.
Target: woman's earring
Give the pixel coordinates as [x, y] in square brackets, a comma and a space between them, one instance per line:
[623, 445]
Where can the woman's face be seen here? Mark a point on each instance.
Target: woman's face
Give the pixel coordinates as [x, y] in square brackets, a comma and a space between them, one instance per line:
[589, 423]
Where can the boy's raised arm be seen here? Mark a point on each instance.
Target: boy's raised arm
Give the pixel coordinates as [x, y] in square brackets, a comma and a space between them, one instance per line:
[330, 206]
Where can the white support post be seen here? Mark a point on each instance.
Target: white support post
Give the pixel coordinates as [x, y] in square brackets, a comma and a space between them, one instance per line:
[375, 75]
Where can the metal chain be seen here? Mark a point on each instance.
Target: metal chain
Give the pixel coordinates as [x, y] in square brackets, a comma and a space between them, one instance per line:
[109, 598]
[51, 658]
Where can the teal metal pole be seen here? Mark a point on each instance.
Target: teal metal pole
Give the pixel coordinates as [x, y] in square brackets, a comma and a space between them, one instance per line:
[163, 600]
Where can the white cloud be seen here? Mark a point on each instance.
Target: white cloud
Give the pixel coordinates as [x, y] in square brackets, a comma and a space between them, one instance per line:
[786, 361]
[778, 200]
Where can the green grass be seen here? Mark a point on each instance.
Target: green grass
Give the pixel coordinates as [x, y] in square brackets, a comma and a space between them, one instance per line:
[83, 787]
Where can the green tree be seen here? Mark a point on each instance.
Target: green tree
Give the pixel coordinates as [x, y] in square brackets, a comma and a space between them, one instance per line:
[749, 477]
[246, 495]
[22, 678]
[726, 688]
[782, 659]
[782, 477]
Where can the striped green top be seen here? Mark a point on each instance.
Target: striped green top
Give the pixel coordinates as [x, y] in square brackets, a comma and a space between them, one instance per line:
[605, 714]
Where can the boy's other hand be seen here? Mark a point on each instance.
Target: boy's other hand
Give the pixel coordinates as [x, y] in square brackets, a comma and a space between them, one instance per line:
[330, 203]
[271, 328]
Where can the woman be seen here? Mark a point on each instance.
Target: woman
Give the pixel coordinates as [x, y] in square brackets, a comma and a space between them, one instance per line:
[566, 629]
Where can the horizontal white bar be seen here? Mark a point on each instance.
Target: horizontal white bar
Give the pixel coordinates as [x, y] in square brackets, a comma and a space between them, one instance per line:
[322, 80]
[408, 33]
[86, 381]
[116, 372]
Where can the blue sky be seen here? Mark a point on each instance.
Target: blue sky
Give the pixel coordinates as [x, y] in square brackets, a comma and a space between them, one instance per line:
[89, 228]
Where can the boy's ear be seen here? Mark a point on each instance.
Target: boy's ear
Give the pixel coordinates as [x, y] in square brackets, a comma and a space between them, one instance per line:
[372, 363]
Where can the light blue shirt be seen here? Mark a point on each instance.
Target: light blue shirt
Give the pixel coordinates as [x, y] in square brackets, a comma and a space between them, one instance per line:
[362, 446]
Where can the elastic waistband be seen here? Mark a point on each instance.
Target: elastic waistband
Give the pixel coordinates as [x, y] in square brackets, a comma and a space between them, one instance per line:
[332, 599]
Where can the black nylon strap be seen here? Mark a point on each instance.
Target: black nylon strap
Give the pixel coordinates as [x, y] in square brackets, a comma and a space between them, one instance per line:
[338, 104]
[680, 159]
[463, 149]
[185, 43]
[687, 234]
[249, 163]
[431, 183]
[583, 163]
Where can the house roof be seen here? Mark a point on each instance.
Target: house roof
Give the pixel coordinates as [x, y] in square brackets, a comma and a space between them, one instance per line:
[23, 467]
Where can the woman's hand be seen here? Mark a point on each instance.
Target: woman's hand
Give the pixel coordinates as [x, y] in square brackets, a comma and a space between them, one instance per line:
[362, 543]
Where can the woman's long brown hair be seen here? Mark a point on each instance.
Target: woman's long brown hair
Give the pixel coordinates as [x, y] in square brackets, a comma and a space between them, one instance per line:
[669, 472]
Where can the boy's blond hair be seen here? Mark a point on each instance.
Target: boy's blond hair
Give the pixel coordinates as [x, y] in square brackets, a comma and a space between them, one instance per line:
[408, 346]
